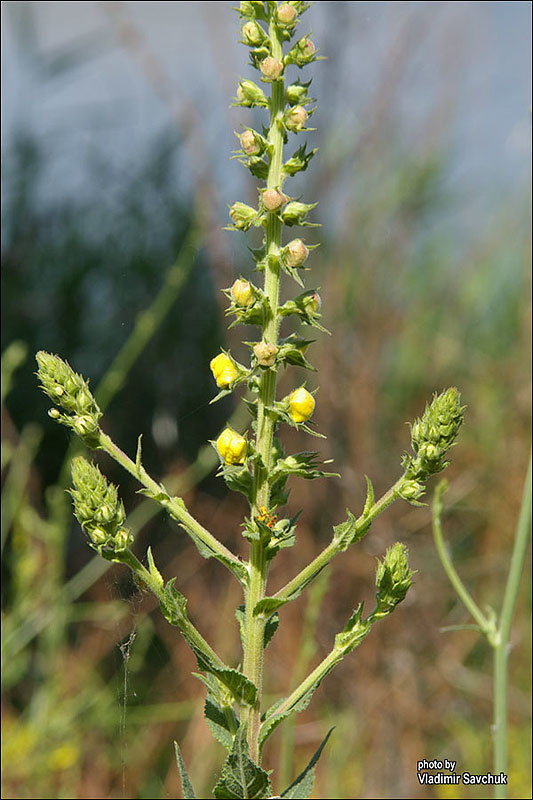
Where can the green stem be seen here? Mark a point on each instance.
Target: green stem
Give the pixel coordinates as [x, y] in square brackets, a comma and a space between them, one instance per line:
[461, 590]
[191, 634]
[255, 625]
[173, 505]
[501, 650]
[337, 545]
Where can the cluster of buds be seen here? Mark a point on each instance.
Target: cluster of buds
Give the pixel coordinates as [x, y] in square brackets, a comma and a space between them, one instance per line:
[69, 391]
[98, 509]
[393, 579]
[433, 435]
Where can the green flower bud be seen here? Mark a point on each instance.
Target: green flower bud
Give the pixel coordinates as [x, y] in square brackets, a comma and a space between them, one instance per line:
[433, 435]
[97, 507]
[296, 94]
[265, 353]
[253, 34]
[286, 14]
[295, 212]
[302, 53]
[295, 253]
[250, 143]
[66, 388]
[393, 578]
[54, 413]
[271, 68]
[273, 200]
[242, 215]
[410, 490]
[312, 303]
[249, 94]
[295, 118]
[251, 9]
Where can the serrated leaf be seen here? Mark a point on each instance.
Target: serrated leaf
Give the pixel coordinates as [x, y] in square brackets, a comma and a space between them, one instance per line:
[238, 479]
[350, 531]
[302, 786]
[186, 785]
[241, 777]
[242, 689]
[270, 626]
[221, 721]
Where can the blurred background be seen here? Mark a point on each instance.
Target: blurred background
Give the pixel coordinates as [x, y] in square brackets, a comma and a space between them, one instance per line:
[117, 136]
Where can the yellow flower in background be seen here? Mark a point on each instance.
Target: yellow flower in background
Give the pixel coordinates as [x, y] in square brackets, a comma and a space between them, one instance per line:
[301, 405]
[224, 370]
[231, 446]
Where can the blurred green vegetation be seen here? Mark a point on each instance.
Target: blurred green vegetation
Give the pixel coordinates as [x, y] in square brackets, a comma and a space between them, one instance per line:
[413, 308]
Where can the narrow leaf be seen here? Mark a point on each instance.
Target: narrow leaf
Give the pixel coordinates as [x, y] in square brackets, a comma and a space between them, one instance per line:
[222, 721]
[369, 496]
[271, 722]
[186, 785]
[302, 786]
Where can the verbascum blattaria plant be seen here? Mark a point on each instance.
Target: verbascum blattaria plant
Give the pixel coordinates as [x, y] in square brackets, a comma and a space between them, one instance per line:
[254, 462]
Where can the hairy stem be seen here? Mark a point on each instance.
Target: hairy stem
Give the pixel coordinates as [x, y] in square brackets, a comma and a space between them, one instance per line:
[254, 626]
[296, 584]
[173, 505]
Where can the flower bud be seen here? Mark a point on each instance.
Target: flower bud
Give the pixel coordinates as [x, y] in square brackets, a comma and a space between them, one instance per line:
[250, 143]
[313, 303]
[242, 293]
[231, 446]
[433, 435]
[273, 200]
[301, 405]
[286, 14]
[295, 252]
[295, 212]
[302, 52]
[249, 94]
[242, 215]
[296, 93]
[271, 68]
[393, 578]
[295, 118]
[253, 33]
[224, 370]
[265, 353]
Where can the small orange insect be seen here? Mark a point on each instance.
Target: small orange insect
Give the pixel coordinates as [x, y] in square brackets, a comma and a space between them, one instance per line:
[266, 517]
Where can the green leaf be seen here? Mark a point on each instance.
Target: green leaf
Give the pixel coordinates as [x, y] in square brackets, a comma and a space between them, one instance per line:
[186, 785]
[302, 786]
[242, 689]
[270, 626]
[350, 531]
[222, 721]
[270, 629]
[238, 479]
[241, 777]
[369, 496]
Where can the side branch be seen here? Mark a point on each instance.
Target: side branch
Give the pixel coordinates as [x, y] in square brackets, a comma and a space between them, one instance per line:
[208, 544]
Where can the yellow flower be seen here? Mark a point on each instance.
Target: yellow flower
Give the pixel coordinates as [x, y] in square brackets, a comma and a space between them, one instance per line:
[231, 446]
[301, 405]
[224, 370]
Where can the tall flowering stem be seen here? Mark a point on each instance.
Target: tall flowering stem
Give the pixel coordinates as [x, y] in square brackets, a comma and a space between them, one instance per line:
[254, 461]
